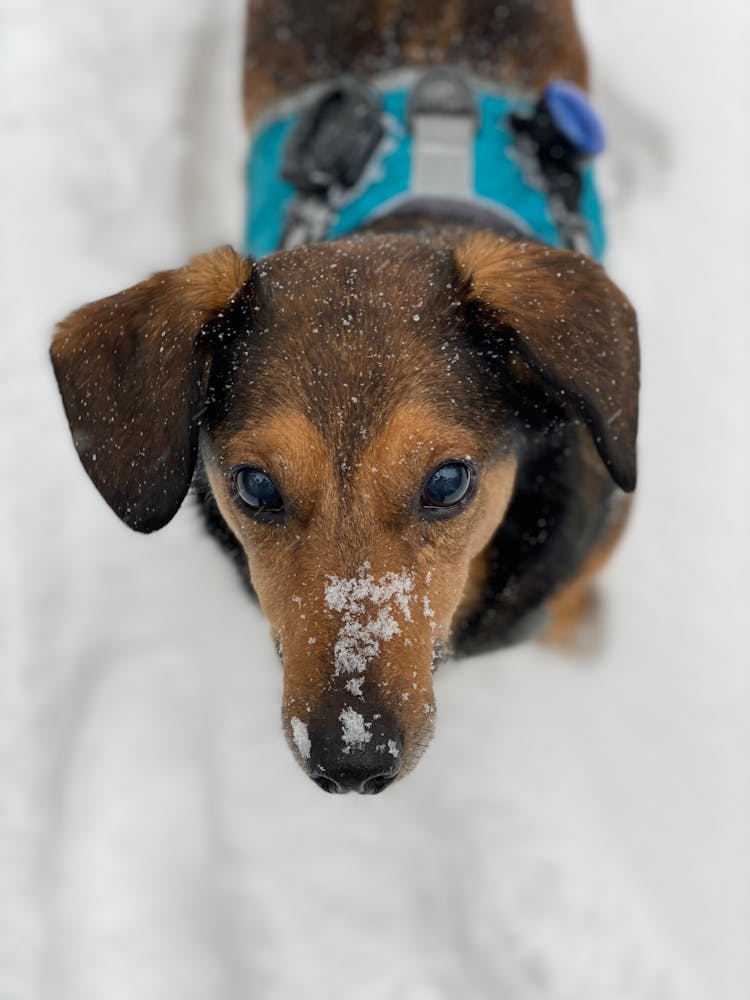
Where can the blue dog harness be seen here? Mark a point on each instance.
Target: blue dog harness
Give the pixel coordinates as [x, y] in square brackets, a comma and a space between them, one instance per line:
[327, 162]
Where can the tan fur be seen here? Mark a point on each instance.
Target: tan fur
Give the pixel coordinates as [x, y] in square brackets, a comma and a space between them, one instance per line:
[292, 565]
[507, 275]
[290, 449]
[211, 280]
[573, 326]
[474, 586]
[184, 297]
[576, 601]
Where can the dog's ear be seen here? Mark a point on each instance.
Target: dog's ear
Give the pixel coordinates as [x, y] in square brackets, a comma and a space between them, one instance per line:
[571, 325]
[133, 373]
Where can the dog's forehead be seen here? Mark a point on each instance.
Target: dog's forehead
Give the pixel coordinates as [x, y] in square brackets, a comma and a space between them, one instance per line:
[347, 332]
[360, 263]
[358, 292]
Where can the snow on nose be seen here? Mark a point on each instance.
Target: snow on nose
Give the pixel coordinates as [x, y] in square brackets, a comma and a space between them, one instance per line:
[371, 611]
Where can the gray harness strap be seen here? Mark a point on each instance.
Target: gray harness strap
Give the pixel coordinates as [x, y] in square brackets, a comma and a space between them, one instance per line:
[443, 121]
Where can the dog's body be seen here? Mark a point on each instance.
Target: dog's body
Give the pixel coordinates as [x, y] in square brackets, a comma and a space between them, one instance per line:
[331, 389]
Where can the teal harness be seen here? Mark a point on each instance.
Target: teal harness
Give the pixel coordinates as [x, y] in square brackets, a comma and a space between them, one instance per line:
[527, 163]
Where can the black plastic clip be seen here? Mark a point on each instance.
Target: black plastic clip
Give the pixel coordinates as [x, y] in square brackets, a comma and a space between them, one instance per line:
[554, 142]
[326, 154]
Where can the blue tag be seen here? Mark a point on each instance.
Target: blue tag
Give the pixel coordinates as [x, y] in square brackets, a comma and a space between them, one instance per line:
[575, 117]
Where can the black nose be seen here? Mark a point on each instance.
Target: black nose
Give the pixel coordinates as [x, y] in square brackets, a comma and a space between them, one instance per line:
[367, 780]
[338, 767]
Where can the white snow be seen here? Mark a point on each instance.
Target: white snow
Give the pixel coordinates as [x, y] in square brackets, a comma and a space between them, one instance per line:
[354, 732]
[301, 737]
[578, 829]
[354, 686]
[359, 637]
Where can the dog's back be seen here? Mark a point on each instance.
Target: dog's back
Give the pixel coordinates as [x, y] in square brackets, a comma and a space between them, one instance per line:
[520, 43]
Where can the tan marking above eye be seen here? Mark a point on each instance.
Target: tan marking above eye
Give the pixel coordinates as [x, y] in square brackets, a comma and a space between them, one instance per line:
[287, 447]
[386, 477]
[417, 437]
[285, 439]
[412, 444]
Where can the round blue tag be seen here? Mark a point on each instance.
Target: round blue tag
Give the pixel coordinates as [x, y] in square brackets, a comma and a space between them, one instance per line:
[575, 117]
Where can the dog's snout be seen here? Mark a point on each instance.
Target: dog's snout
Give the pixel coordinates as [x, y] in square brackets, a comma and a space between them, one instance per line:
[338, 767]
[365, 780]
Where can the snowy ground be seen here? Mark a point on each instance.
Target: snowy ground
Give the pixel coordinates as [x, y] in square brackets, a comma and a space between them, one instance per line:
[578, 830]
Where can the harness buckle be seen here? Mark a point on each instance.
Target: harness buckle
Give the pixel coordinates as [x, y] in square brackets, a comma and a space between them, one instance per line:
[562, 131]
[443, 119]
[326, 154]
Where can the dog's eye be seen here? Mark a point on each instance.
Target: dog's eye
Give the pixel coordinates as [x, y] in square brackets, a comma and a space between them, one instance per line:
[447, 486]
[257, 490]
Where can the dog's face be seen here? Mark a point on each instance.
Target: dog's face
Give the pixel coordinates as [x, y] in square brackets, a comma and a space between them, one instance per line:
[351, 456]
[357, 442]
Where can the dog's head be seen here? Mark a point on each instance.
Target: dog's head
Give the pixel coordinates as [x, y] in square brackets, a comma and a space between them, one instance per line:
[348, 402]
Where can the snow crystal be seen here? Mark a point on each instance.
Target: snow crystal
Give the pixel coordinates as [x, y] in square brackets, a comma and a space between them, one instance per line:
[354, 686]
[392, 748]
[353, 730]
[359, 637]
[301, 738]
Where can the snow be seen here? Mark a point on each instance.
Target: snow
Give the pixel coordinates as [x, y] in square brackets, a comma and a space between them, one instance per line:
[578, 829]
[301, 737]
[354, 732]
[359, 636]
[354, 686]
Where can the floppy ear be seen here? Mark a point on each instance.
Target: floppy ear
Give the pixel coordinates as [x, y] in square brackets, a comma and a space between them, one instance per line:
[572, 326]
[133, 373]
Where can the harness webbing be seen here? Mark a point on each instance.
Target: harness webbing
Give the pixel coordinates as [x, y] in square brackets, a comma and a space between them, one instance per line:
[327, 162]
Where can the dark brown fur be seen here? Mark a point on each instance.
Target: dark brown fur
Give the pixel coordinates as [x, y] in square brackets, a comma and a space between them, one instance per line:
[111, 355]
[348, 371]
[521, 43]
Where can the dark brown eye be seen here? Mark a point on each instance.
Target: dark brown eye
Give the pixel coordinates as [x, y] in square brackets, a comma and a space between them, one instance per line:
[257, 490]
[448, 486]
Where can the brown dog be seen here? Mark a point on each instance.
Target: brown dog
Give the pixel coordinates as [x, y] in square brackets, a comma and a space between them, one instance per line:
[417, 438]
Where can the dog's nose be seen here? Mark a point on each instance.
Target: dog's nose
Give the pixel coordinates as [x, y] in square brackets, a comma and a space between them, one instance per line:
[337, 767]
[365, 780]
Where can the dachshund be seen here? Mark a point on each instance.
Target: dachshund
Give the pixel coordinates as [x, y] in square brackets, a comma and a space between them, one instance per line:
[415, 430]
